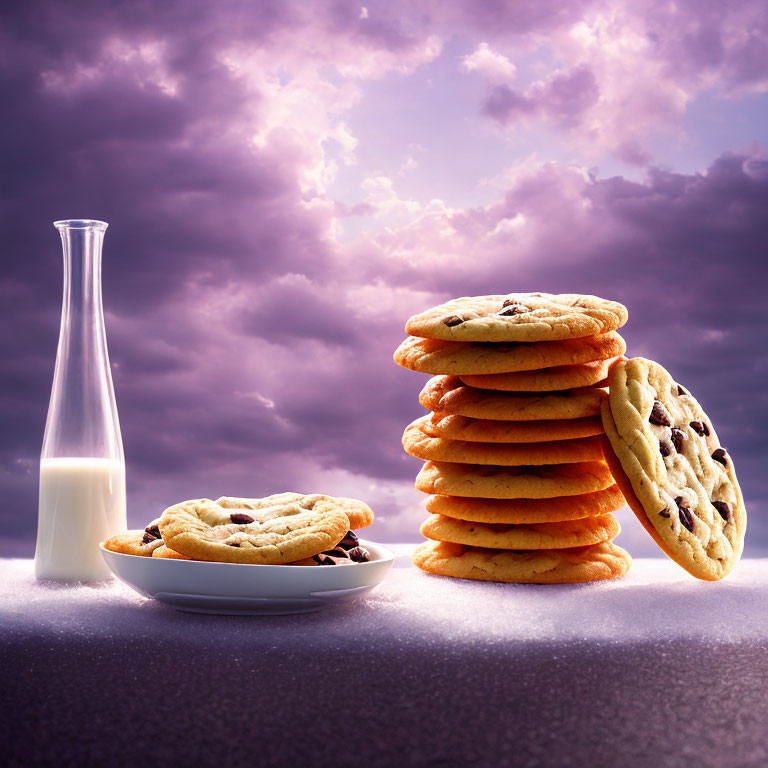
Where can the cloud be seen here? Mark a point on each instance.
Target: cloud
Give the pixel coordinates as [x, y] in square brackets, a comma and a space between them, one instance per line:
[489, 63]
[381, 196]
[563, 98]
[623, 73]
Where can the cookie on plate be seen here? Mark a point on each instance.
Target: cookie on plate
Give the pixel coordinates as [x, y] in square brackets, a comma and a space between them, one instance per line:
[675, 475]
[525, 317]
[142, 543]
[446, 394]
[169, 554]
[542, 566]
[527, 482]
[545, 379]
[358, 512]
[463, 357]
[421, 442]
[346, 552]
[517, 511]
[277, 529]
[454, 427]
[562, 535]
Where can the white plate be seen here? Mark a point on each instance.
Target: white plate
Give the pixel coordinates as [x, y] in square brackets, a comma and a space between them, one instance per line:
[235, 588]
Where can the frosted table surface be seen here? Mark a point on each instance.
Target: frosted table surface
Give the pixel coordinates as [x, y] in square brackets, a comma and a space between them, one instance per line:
[655, 669]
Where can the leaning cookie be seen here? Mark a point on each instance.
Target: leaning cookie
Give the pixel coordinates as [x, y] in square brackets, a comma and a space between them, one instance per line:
[668, 462]
[141, 543]
[267, 531]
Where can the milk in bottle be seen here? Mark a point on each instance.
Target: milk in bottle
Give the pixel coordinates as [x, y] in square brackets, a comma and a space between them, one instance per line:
[82, 469]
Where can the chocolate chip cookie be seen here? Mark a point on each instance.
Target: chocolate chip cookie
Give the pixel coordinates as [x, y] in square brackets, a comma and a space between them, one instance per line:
[677, 477]
[456, 427]
[544, 379]
[346, 552]
[358, 512]
[273, 530]
[528, 317]
[142, 543]
[516, 511]
[462, 357]
[169, 554]
[420, 441]
[562, 535]
[527, 482]
[446, 394]
[542, 566]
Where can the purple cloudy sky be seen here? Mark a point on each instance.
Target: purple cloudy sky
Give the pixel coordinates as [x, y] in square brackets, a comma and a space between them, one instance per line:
[287, 182]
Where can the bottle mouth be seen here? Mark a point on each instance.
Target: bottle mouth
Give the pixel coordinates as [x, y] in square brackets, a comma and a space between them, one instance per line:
[81, 224]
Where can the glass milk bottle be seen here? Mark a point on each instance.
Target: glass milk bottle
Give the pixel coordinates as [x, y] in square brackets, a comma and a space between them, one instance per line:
[82, 469]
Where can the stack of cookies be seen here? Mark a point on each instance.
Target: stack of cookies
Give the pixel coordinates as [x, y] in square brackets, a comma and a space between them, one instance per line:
[513, 446]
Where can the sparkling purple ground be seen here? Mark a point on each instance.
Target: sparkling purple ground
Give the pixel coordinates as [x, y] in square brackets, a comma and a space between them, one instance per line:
[655, 669]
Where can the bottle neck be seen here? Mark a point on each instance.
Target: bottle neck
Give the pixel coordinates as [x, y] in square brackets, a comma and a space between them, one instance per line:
[82, 306]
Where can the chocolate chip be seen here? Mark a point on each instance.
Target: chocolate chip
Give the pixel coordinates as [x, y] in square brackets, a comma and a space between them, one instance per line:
[233, 544]
[665, 448]
[323, 559]
[659, 415]
[706, 428]
[719, 455]
[337, 552]
[452, 320]
[151, 533]
[510, 308]
[684, 512]
[664, 512]
[359, 555]
[240, 518]
[678, 438]
[681, 391]
[686, 518]
[699, 428]
[350, 540]
[723, 508]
